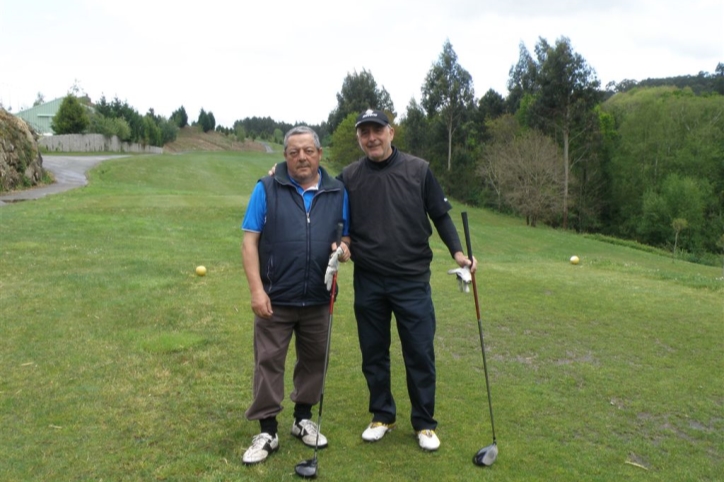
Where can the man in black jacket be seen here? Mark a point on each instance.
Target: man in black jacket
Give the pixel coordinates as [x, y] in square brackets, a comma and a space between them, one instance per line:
[289, 228]
[392, 194]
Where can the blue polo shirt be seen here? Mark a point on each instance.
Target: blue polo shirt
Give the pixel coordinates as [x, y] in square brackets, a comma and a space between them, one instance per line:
[255, 216]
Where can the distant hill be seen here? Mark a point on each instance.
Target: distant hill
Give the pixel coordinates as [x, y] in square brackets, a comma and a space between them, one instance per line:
[194, 139]
[702, 83]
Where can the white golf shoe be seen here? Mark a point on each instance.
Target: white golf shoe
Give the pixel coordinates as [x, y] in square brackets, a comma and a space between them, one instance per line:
[376, 430]
[428, 440]
[306, 431]
[261, 446]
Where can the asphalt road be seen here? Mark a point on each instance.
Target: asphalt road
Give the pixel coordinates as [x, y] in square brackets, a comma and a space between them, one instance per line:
[69, 173]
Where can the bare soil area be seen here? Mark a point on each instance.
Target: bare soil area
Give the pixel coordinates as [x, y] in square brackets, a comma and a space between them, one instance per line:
[193, 139]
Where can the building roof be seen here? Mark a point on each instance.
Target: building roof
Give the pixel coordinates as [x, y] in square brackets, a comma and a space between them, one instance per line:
[40, 116]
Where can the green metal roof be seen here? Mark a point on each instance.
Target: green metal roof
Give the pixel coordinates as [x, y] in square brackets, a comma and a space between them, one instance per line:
[40, 116]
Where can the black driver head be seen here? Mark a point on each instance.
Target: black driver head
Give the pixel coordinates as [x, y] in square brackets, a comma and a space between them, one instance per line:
[486, 456]
[307, 469]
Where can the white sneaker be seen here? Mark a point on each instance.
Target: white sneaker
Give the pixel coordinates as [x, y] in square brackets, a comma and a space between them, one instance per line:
[306, 431]
[428, 440]
[376, 430]
[261, 446]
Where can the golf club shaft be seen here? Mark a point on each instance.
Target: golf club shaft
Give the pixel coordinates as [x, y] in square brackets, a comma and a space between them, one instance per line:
[466, 228]
[329, 344]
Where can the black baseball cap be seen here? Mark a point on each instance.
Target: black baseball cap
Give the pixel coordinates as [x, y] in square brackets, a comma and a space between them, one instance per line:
[376, 116]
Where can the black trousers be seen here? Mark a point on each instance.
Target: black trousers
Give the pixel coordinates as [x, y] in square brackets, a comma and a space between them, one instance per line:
[376, 298]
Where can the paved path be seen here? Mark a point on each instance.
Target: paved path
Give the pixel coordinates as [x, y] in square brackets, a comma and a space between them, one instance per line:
[69, 172]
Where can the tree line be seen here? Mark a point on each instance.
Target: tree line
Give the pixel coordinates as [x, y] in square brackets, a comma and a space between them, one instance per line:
[637, 160]
[78, 115]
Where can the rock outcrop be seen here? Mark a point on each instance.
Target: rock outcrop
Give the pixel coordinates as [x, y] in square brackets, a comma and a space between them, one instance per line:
[21, 165]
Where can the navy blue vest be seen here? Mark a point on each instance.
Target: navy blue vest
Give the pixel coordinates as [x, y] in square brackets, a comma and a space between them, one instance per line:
[294, 247]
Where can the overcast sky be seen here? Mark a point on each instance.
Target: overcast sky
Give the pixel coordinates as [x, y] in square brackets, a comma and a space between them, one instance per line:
[287, 60]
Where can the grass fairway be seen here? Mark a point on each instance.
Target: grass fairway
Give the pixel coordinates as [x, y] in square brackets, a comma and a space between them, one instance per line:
[118, 363]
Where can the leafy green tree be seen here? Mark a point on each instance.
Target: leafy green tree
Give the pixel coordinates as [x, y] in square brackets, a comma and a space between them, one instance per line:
[416, 130]
[688, 198]
[344, 147]
[623, 86]
[179, 117]
[591, 187]
[211, 122]
[262, 127]
[359, 93]
[678, 198]
[205, 121]
[121, 109]
[169, 130]
[152, 135]
[72, 117]
[719, 78]
[110, 126]
[491, 106]
[665, 131]
[567, 92]
[522, 79]
[448, 93]
[653, 227]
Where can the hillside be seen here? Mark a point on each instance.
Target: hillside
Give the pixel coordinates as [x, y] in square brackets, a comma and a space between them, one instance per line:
[193, 139]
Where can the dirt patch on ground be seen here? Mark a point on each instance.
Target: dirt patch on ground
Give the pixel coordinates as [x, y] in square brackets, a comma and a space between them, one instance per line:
[193, 139]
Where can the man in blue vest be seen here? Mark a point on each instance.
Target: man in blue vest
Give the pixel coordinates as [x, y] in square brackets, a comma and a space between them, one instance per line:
[289, 232]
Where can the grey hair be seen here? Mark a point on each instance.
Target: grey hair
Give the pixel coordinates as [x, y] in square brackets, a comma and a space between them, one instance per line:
[299, 130]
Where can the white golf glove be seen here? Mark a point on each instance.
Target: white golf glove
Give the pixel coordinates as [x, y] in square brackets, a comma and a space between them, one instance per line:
[332, 267]
[464, 278]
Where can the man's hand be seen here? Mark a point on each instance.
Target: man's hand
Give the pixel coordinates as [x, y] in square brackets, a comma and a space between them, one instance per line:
[261, 304]
[464, 261]
[332, 267]
[464, 278]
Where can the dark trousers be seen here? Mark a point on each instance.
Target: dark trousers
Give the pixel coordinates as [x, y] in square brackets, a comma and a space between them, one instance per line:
[376, 298]
[310, 325]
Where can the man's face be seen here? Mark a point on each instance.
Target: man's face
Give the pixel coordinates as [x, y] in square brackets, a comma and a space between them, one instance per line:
[302, 158]
[376, 140]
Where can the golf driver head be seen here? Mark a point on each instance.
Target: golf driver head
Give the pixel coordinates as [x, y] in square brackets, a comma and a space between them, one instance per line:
[307, 469]
[486, 456]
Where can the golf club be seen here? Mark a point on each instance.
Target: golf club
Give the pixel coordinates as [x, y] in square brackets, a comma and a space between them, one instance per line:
[486, 455]
[307, 469]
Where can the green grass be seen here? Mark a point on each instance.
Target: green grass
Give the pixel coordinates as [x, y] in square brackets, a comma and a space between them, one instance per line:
[118, 363]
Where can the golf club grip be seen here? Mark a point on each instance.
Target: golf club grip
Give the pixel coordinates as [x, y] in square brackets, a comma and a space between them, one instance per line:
[340, 227]
[338, 239]
[466, 228]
